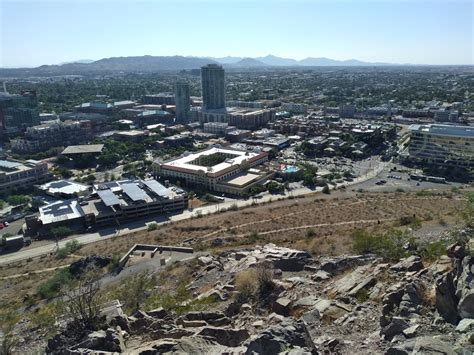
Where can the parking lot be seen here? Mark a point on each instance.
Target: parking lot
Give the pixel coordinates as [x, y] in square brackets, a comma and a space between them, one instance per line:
[399, 179]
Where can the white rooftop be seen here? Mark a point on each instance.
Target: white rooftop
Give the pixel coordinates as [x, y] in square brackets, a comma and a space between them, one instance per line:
[64, 187]
[185, 162]
[60, 211]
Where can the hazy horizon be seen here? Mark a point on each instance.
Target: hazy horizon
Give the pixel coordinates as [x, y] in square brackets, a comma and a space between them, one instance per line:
[419, 32]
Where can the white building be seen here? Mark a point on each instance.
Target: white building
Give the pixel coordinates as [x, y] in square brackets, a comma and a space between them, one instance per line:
[217, 169]
[442, 145]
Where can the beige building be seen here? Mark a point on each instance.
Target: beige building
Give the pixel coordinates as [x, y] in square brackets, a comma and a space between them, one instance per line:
[16, 175]
[217, 169]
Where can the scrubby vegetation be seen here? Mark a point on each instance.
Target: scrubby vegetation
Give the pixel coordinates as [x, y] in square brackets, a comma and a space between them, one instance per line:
[52, 287]
[70, 247]
[395, 244]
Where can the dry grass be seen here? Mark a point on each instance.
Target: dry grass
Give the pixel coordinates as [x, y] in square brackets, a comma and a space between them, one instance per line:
[262, 224]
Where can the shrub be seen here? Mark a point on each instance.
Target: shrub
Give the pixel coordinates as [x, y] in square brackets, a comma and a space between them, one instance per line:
[390, 245]
[233, 207]
[152, 226]
[310, 233]
[362, 295]
[45, 317]
[70, 247]
[432, 251]
[246, 285]
[51, 287]
[412, 221]
[326, 190]
[255, 284]
[255, 237]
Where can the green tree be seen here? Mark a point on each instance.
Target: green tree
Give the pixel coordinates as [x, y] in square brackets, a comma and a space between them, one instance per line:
[61, 232]
[16, 200]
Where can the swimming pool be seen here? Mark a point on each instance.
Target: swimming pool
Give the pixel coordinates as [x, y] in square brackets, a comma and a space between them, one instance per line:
[290, 169]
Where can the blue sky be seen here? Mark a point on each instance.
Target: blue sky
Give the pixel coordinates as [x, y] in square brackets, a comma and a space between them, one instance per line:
[35, 32]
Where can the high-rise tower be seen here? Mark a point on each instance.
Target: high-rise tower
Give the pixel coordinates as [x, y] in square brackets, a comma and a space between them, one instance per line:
[213, 87]
[182, 101]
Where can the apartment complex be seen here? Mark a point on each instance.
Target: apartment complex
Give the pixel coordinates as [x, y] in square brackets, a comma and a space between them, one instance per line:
[16, 175]
[217, 169]
[52, 134]
[442, 145]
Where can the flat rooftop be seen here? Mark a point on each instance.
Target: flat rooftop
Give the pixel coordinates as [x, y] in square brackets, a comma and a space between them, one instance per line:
[243, 179]
[132, 133]
[186, 162]
[64, 187]
[245, 110]
[12, 167]
[60, 211]
[444, 130]
[83, 149]
[127, 192]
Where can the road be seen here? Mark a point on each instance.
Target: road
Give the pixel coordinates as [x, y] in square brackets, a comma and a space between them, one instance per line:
[365, 182]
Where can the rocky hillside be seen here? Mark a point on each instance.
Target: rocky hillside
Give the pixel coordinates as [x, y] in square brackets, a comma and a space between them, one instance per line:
[270, 299]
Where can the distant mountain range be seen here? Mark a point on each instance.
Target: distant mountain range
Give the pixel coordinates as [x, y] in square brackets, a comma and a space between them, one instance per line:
[147, 64]
[271, 60]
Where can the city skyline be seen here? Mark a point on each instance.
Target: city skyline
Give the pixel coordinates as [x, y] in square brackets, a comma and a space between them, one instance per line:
[35, 33]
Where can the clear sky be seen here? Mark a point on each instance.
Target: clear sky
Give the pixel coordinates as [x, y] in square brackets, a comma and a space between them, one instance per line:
[35, 32]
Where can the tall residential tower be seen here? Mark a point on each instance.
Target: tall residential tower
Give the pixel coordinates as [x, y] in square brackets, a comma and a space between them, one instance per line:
[182, 101]
[213, 87]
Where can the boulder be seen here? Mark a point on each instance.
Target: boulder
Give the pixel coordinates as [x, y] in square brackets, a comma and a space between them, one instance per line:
[109, 340]
[466, 305]
[275, 339]
[191, 323]
[405, 348]
[396, 326]
[412, 263]
[311, 319]
[337, 265]
[219, 322]
[456, 250]
[331, 310]
[282, 306]
[205, 260]
[430, 345]
[321, 275]
[158, 347]
[363, 277]
[225, 336]
[465, 325]
[446, 300]
[411, 331]
[307, 301]
[204, 316]
[216, 294]
[159, 313]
